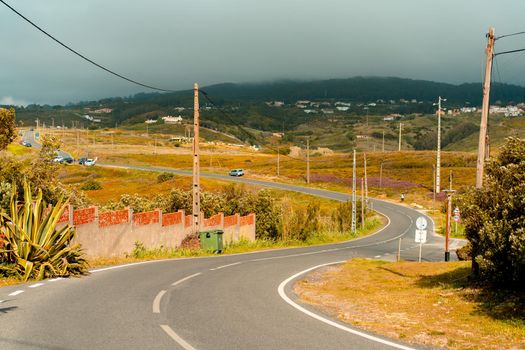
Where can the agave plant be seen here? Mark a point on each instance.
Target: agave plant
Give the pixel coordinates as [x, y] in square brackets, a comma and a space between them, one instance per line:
[32, 242]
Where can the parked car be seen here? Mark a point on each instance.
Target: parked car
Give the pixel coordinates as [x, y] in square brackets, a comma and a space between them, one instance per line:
[67, 160]
[82, 160]
[90, 162]
[236, 172]
[58, 159]
[26, 144]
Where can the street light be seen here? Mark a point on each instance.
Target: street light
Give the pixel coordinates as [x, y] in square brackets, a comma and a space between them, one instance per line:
[438, 158]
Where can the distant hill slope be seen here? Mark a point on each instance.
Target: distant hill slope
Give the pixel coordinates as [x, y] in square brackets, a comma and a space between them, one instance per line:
[360, 89]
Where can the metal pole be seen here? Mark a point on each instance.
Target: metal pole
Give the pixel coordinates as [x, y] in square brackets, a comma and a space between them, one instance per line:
[354, 209]
[366, 181]
[308, 160]
[196, 163]
[278, 160]
[438, 157]
[420, 246]
[485, 109]
[381, 175]
[400, 126]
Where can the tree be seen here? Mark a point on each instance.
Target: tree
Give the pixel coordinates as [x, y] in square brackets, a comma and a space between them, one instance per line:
[494, 219]
[7, 127]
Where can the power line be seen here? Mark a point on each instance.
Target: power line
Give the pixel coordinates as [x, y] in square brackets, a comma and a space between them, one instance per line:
[507, 35]
[82, 56]
[499, 53]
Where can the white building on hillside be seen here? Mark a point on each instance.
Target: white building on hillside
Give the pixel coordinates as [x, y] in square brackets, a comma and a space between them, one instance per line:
[172, 120]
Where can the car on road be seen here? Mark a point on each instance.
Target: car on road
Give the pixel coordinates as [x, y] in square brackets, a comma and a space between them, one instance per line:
[67, 160]
[82, 160]
[26, 143]
[90, 162]
[58, 159]
[236, 172]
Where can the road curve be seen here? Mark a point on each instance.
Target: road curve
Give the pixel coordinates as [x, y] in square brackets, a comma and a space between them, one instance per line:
[222, 302]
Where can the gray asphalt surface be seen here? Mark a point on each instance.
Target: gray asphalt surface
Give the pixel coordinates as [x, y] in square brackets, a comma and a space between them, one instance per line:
[232, 303]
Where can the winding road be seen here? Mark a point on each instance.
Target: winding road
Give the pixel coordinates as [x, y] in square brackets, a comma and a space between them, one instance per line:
[239, 301]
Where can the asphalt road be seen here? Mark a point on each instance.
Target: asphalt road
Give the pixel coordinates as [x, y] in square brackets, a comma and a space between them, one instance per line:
[222, 302]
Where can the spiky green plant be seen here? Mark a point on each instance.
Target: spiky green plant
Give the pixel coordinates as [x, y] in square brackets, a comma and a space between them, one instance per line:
[31, 240]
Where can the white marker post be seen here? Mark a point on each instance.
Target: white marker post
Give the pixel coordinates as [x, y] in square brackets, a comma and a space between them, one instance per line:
[421, 233]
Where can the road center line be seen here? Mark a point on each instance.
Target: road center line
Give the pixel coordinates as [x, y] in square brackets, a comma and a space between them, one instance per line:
[285, 297]
[176, 337]
[16, 293]
[223, 266]
[186, 278]
[36, 285]
[55, 279]
[156, 302]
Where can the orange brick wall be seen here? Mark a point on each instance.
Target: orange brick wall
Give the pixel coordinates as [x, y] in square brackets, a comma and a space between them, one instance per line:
[230, 220]
[146, 218]
[213, 221]
[172, 219]
[83, 216]
[113, 218]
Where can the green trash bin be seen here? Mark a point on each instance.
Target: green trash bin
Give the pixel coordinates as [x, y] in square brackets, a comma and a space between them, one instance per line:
[211, 241]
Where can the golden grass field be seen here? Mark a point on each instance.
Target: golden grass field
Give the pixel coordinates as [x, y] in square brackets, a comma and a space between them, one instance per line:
[421, 303]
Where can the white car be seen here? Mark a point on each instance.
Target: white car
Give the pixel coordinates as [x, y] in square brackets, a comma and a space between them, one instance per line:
[236, 172]
[58, 159]
[90, 162]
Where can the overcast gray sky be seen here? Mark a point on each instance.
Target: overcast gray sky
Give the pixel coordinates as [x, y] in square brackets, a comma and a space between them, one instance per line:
[173, 43]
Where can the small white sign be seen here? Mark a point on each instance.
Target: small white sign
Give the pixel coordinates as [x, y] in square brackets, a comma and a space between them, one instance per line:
[421, 236]
[456, 218]
[456, 211]
[421, 223]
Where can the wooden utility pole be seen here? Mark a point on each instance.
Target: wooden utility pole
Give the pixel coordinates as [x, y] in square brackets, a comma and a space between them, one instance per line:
[400, 127]
[485, 109]
[354, 209]
[308, 160]
[438, 156]
[196, 163]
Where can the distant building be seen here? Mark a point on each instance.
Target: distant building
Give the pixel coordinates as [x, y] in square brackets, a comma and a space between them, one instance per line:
[150, 121]
[327, 111]
[85, 116]
[342, 108]
[302, 102]
[172, 120]
[102, 110]
[344, 104]
[275, 103]
[179, 109]
[310, 111]
[278, 134]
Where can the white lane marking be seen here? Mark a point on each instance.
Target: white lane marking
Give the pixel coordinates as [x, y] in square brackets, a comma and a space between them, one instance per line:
[36, 285]
[55, 279]
[156, 302]
[283, 295]
[176, 337]
[186, 278]
[16, 293]
[223, 266]
[126, 265]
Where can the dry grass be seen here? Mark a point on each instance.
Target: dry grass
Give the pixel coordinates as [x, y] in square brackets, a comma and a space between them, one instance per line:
[421, 303]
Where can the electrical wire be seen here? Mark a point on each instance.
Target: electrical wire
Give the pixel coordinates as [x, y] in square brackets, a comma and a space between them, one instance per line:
[81, 55]
[504, 52]
[507, 35]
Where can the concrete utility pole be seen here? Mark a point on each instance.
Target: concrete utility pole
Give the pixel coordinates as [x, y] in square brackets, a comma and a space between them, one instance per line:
[383, 141]
[196, 163]
[438, 157]
[433, 188]
[485, 109]
[400, 127]
[362, 205]
[354, 209]
[366, 181]
[449, 211]
[308, 160]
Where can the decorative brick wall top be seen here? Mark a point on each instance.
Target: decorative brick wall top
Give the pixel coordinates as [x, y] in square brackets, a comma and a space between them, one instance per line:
[146, 218]
[172, 218]
[230, 220]
[84, 216]
[215, 220]
[113, 218]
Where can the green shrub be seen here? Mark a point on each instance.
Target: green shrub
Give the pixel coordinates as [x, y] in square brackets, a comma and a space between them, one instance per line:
[494, 219]
[163, 177]
[91, 185]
